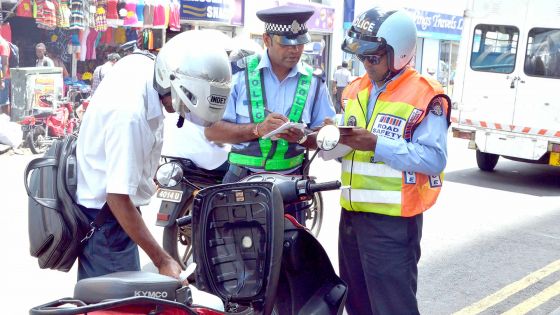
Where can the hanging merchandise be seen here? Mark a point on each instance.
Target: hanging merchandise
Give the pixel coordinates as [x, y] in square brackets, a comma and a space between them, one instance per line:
[46, 16]
[140, 13]
[159, 14]
[121, 8]
[24, 9]
[130, 18]
[112, 13]
[77, 21]
[100, 17]
[65, 14]
[149, 7]
[174, 18]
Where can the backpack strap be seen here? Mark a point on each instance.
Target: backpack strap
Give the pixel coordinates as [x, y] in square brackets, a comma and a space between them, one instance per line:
[99, 220]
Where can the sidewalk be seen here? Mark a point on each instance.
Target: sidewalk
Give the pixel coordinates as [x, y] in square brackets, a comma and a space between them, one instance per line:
[556, 312]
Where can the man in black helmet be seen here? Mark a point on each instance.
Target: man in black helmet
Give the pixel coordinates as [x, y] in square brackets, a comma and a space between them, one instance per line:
[394, 171]
[273, 89]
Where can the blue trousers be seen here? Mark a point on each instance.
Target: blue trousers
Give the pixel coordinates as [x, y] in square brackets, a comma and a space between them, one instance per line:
[109, 250]
[378, 257]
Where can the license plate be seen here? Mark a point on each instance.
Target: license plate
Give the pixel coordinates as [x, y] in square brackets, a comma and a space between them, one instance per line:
[169, 195]
[554, 159]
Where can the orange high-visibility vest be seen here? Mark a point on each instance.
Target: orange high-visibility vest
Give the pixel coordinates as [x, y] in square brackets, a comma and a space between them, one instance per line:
[374, 186]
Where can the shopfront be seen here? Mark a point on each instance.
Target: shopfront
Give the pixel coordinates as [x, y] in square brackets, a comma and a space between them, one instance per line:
[437, 44]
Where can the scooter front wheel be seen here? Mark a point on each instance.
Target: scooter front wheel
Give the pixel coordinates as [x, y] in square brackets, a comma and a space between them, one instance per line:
[177, 241]
[314, 214]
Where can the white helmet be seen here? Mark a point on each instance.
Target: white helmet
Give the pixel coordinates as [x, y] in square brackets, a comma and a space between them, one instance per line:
[195, 70]
[375, 31]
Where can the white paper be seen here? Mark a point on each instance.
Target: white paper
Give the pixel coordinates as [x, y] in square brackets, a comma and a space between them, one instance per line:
[285, 126]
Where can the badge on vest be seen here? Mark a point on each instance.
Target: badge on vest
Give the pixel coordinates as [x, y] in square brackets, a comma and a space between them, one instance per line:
[435, 181]
[409, 177]
[389, 126]
[352, 121]
[436, 107]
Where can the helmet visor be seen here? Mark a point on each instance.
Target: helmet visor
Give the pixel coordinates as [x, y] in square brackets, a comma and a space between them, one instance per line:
[204, 99]
[357, 44]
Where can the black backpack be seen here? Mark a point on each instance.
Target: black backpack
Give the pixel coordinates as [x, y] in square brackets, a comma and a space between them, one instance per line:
[13, 61]
[57, 226]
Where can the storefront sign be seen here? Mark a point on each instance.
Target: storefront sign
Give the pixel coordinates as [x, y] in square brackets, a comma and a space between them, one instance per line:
[437, 25]
[322, 20]
[223, 11]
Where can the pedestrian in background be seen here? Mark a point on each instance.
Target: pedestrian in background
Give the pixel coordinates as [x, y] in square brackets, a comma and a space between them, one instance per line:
[100, 71]
[4, 77]
[341, 78]
[399, 143]
[42, 59]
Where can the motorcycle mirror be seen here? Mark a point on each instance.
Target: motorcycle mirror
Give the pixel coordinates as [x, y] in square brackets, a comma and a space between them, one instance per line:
[328, 137]
[169, 174]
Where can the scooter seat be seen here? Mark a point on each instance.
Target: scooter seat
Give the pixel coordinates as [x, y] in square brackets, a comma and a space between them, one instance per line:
[124, 284]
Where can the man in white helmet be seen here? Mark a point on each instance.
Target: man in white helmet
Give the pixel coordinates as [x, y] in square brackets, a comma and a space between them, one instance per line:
[120, 142]
[400, 121]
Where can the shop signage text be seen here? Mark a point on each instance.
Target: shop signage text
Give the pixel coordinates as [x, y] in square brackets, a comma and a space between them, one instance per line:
[225, 11]
[437, 25]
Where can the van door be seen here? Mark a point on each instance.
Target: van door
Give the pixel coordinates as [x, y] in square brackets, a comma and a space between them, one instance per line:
[537, 103]
[489, 90]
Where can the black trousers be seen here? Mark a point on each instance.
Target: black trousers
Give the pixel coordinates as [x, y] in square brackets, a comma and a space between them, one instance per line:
[378, 257]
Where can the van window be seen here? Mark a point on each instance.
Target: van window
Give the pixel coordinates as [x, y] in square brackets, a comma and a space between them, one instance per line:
[494, 48]
[542, 58]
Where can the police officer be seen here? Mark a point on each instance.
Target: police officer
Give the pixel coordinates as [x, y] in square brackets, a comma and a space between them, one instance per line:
[274, 88]
[400, 150]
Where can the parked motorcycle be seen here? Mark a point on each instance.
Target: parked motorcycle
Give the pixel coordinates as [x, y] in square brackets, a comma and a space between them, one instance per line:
[47, 124]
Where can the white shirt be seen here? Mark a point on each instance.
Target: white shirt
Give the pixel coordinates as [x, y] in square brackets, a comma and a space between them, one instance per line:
[342, 77]
[189, 142]
[121, 136]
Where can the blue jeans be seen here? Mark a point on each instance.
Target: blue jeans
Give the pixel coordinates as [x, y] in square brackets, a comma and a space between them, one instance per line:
[5, 93]
[109, 250]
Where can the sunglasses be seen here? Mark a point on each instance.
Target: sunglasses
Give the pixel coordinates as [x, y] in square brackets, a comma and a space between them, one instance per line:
[373, 59]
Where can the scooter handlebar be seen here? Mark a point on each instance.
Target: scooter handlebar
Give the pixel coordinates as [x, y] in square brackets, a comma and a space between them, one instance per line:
[316, 187]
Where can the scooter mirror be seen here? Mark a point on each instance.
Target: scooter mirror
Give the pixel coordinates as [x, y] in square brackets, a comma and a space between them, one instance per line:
[328, 137]
[169, 174]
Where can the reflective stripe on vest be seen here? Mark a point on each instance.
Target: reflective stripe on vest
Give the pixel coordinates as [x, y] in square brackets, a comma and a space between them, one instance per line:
[267, 154]
[375, 186]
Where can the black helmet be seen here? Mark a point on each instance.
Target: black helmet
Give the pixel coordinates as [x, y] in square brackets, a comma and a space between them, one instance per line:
[375, 31]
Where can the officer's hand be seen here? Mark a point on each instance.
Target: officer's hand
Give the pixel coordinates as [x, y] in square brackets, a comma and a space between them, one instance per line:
[292, 135]
[169, 267]
[359, 139]
[271, 122]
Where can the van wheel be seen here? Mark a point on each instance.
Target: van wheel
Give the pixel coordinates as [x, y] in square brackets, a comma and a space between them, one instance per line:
[486, 161]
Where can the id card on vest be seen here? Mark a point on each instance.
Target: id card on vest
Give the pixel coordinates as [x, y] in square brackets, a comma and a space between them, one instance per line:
[389, 126]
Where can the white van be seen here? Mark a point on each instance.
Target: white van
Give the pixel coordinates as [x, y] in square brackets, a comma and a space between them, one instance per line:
[506, 98]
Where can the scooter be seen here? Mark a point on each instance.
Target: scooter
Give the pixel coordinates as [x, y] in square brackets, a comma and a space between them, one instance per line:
[255, 260]
[176, 201]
